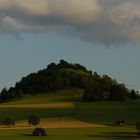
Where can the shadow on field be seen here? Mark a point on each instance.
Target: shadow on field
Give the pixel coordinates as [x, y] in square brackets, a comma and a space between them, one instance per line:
[117, 135]
[26, 135]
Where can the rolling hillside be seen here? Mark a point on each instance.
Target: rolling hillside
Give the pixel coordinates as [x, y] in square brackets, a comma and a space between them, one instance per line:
[75, 120]
[66, 75]
[67, 103]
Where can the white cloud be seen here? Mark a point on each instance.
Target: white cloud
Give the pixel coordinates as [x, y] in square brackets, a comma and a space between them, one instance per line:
[107, 22]
[75, 10]
[126, 17]
[26, 7]
[8, 25]
[32, 7]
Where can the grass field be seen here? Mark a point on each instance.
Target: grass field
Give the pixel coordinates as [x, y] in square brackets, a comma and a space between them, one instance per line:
[110, 133]
[69, 95]
[109, 112]
[104, 113]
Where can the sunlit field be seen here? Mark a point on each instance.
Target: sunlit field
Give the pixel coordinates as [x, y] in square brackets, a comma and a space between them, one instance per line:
[109, 133]
[104, 114]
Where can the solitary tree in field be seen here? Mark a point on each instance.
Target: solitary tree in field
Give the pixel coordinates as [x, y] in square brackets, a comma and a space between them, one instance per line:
[8, 121]
[138, 127]
[39, 132]
[33, 120]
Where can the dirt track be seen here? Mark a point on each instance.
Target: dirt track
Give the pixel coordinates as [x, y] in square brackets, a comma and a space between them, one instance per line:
[48, 105]
[54, 123]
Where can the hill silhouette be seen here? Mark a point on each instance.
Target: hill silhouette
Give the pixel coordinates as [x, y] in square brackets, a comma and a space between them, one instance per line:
[67, 75]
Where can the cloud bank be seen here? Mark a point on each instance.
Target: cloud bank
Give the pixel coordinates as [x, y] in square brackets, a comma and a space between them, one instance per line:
[108, 22]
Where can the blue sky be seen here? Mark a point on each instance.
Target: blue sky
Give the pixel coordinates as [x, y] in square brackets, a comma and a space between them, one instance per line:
[104, 41]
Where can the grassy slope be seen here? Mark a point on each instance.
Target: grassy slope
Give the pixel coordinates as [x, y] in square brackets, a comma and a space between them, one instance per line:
[101, 112]
[109, 112]
[69, 95]
[110, 133]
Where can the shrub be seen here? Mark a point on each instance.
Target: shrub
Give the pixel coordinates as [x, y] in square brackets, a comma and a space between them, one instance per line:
[120, 122]
[138, 127]
[7, 121]
[33, 120]
[39, 132]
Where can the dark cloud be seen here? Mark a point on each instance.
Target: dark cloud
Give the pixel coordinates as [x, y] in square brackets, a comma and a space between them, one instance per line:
[108, 22]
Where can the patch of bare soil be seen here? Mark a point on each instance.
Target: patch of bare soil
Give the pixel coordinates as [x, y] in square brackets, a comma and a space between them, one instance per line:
[47, 105]
[54, 123]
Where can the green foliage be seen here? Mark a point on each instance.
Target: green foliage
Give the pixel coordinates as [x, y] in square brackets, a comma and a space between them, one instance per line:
[93, 93]
[66, 75]
[4, 96]
[39, 132]
[134, 94]
[33, 120]
[118, 92]
[120, 122]
[103, 88]
[138, 127]
[8, 121]
[54, 77]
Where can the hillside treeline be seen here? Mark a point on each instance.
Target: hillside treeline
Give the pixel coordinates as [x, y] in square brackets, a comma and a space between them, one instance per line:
[66, 75]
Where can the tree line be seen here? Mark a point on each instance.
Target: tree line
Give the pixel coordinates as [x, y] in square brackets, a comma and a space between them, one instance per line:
[66, 75]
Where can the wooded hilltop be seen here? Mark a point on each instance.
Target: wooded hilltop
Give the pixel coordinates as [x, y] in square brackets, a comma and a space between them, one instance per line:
[67, 75]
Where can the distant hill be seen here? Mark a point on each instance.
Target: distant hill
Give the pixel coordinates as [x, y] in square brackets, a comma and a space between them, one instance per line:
[67, 75]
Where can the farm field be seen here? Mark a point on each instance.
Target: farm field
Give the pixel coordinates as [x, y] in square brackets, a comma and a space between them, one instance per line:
[53, 123]
[66, 117]
[110, 133]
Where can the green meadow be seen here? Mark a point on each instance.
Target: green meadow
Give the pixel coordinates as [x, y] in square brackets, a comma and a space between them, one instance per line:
[109, 133]
[106, 113]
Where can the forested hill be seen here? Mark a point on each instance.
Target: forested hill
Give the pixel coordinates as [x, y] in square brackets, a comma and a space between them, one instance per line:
[66, 75]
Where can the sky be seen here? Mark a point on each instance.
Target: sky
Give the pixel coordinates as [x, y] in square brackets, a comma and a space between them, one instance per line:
[103, 35]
